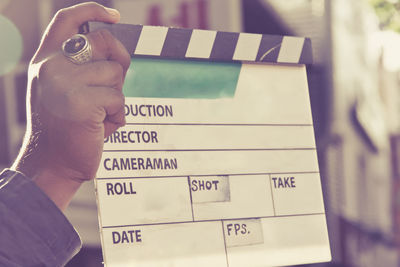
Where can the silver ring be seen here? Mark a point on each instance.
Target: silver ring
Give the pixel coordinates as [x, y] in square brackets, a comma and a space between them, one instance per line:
[77, 49]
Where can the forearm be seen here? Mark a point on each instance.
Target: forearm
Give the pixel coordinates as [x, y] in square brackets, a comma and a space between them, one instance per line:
[33, 230]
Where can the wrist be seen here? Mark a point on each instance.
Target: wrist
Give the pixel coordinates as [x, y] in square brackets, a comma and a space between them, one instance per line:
[59, 186]
[59, 183]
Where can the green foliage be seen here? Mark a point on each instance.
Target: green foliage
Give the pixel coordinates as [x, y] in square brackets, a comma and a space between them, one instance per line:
[388, 12]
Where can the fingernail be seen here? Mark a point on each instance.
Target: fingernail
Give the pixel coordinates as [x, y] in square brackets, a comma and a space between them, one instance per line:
[112, 12]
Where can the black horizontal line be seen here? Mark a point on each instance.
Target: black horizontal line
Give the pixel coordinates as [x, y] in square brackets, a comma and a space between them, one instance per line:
[221, 124]
[224, 174]
[215, 220]
[205, 150]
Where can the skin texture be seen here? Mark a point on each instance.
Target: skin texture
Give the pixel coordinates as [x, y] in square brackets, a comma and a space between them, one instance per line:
[72, 108]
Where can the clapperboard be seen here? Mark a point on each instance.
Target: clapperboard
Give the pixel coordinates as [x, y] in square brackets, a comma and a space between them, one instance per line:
[217, 164]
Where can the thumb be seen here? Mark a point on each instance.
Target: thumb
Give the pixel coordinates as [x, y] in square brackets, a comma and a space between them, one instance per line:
[67, 21]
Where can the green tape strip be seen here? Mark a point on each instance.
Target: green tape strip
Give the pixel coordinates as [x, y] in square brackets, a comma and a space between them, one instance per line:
[164, 78]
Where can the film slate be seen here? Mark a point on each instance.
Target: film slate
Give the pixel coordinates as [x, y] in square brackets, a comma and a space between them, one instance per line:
[217, 164]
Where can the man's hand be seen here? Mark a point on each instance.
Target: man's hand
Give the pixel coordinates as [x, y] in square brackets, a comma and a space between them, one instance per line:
[72, 108]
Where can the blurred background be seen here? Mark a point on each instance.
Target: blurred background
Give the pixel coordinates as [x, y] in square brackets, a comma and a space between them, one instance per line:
[355, 95]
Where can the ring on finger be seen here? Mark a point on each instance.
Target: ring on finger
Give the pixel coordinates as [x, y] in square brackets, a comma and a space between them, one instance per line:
[77, 49]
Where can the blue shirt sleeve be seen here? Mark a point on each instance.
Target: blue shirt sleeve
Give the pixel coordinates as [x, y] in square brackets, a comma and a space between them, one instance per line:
[33, 231]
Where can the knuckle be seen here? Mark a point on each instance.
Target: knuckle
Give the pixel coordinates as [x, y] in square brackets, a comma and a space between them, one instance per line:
[118, 98]
[104, 35]
[111, 71]
[117, 72]
[101, 39]
[92, 3]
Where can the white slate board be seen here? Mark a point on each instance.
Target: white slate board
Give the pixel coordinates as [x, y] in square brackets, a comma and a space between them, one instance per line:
[227, 179]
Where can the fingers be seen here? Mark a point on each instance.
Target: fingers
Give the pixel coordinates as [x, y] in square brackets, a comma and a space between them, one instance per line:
[67, 21]
[106, 47]
[94, 82]
[112, 102]
[110, 62]
[102, 73]
[113, 122]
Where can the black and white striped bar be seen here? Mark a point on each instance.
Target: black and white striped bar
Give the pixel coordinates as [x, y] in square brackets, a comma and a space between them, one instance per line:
[178, 43]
